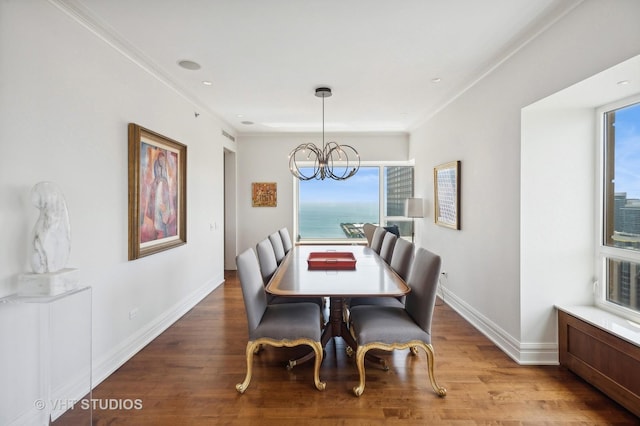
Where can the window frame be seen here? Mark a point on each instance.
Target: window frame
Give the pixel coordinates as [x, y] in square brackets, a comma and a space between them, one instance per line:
[604, 211]
[381, 196]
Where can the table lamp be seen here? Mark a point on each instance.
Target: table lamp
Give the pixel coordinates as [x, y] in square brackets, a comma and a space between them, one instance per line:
[414, 208]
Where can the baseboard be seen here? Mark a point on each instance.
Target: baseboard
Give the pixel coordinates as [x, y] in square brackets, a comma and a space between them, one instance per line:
[522, 353]
[105, 366]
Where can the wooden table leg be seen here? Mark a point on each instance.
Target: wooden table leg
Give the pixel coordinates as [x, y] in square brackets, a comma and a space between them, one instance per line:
[335, 315]
[336, 327]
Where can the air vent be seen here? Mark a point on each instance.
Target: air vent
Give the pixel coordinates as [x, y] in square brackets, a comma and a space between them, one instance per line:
[228, 136]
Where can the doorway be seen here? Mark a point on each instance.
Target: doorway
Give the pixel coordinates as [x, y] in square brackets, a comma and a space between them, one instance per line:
[230, 229]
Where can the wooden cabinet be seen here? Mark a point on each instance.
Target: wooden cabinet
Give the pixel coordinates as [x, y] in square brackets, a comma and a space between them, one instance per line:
[605, 360]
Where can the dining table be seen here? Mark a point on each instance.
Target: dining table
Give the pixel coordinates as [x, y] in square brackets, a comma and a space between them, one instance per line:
[336, 272]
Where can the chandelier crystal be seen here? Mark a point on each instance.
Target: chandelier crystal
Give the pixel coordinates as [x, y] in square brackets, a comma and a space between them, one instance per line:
[332, 160]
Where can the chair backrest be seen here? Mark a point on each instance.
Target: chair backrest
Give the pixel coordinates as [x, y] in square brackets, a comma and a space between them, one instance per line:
[253, 293]
[423, 280]
[393, 229]
[378, 237]
[402, 257]
[278, 248]
[286, 240]
[267, 258]
[369, 229]
[388, 242]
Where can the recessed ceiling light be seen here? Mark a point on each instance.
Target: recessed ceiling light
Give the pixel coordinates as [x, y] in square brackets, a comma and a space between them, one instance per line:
[189, 65]
[207, 83]
[436, 80]
[248, 123]
[623, 82]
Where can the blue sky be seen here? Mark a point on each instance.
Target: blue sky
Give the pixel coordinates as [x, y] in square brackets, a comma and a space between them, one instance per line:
[362, 187]
[627, 178]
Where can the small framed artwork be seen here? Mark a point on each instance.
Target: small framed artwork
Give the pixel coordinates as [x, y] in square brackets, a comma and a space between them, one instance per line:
[446, 188]
[157, 192]
[264, 194]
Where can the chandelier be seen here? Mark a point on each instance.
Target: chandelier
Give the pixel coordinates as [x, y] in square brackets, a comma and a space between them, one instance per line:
[308, 161]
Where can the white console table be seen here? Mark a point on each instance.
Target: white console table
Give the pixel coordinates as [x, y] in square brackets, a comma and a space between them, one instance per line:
[45, 359]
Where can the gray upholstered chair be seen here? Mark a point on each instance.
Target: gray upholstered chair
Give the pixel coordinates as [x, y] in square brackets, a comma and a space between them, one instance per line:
[386, 250]
[289, 324]
[376, 240]
[286, 240]
[268, 267]
[278, 247]
[389, 328]
[401, 257]
[369, 229]
[267, 259]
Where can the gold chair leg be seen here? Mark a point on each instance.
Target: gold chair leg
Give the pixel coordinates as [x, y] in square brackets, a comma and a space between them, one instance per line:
[345, 312]
[253, 345]
[360, 355]
[349, 349]
[430, 358]
[251, 349]
[317, 348]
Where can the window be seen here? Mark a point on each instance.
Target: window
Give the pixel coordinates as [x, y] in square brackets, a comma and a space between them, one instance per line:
[398, 186]
[620, 244]
[336, 210]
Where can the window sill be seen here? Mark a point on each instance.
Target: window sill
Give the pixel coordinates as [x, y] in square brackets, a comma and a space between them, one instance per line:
[332, 242]
[621, 327]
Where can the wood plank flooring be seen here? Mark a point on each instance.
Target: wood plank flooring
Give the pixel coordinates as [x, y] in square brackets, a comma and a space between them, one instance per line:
[187, 376]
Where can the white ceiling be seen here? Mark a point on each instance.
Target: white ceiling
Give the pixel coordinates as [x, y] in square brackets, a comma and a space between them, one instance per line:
[265, 58]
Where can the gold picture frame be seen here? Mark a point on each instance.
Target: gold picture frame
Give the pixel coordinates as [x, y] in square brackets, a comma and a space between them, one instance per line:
[157, 192]
[446, 189]
[264, 194]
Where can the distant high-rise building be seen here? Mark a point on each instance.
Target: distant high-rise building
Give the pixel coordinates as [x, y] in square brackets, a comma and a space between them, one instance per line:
[630, 215]
[399, 187]
[626, 216]
[624, 277]
[619, 201]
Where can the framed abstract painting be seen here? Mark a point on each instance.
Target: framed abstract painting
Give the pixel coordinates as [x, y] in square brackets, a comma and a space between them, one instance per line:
[264, 194]
[446, 188]
[157, 192]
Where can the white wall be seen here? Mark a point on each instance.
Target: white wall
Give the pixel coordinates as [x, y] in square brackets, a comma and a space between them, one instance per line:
[482, 128]
[66, 97]
[558, 171]
[264, 158]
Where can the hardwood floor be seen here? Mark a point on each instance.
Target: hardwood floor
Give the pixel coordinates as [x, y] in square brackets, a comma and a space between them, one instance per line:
[187, 376]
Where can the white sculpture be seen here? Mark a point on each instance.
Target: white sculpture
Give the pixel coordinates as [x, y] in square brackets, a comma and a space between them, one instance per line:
[51, 234]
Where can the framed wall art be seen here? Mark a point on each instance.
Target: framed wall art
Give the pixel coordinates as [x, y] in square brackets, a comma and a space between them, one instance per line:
[157, 192]
[264, 194]
[446, 188]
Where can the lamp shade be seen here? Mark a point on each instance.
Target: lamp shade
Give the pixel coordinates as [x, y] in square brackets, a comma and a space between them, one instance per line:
[415, 207]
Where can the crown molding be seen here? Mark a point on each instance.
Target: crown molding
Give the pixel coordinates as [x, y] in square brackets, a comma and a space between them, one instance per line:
[536, 29]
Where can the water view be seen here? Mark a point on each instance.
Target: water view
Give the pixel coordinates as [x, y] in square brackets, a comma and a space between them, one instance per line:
[332, 220]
